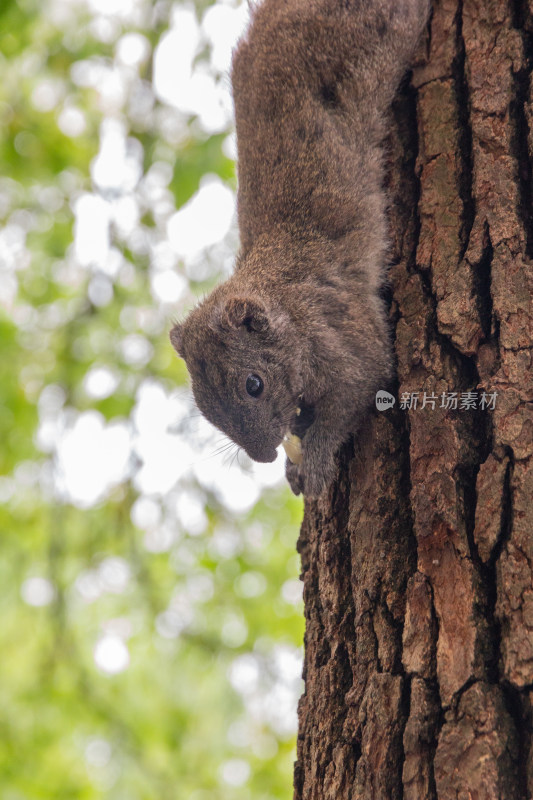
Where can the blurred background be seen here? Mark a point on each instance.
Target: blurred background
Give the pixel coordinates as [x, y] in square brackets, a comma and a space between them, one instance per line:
[150, 643]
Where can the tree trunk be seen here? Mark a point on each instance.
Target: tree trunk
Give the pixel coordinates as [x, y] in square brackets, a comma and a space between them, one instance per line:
[417, 567]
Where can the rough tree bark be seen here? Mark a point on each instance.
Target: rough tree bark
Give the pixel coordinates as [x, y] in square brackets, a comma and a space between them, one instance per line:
[418, 567]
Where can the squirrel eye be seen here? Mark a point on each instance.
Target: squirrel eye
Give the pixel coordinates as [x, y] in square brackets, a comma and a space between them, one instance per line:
[254, 385]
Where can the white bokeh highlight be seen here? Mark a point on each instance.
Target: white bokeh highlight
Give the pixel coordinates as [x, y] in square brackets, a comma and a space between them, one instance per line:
[270, 685]
[204, 220]
[38, 591]
[111, 654]
[92, 456]
[100, 382]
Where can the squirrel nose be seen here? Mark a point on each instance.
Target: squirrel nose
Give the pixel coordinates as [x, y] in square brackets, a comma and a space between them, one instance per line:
[264, 456]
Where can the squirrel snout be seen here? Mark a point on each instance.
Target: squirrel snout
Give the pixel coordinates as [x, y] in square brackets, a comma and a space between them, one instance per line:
[265, 455]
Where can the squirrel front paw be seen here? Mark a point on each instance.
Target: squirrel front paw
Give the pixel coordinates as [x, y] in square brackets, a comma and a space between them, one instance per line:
[294, 477]
[311, 482]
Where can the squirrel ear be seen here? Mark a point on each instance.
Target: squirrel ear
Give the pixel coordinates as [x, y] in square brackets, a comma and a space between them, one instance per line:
[176, 338]
[245, 311]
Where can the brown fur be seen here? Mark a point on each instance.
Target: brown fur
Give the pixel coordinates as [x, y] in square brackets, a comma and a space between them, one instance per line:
[312, 82]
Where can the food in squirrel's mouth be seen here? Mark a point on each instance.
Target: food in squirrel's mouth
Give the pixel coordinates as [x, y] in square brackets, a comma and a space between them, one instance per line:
[292, 445]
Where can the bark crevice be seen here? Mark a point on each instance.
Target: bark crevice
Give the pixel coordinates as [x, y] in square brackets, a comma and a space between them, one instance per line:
[489, 575]
[521, 99]
[482, 286]
[518, 706]
[465, 156]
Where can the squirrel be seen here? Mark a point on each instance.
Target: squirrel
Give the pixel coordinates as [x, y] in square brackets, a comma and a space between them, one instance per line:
[295, 344]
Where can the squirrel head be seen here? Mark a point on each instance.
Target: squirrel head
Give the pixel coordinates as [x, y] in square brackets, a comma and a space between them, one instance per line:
[244, 363]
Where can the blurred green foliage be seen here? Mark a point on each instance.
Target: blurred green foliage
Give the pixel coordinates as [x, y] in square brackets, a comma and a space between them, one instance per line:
[174, 720]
